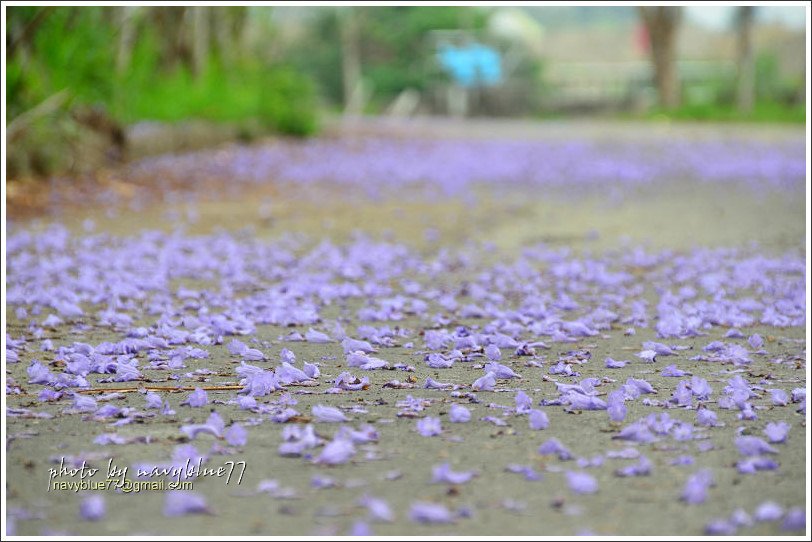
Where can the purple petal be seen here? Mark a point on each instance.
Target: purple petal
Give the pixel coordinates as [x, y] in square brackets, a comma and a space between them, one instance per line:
[795, 520]
[768, 511]
[288, 374]
[582, 482]
[777, 432]
[378, 509]
[672, 371]
[286, 356]
[361, 528]
[181, 503]
[438, 361]
[459, 414]
[93, 508]
[311, 370]
[779, 397]
[313, 336]
[696, 487]
[353, 345]
[47, 395]
[319, 481]
[429, 427]
[614, 364]
[523, 402]
[649, 356]
[636, 432]
[749, 445]
[328, 414]
[626, 453]
[706, 417]
[84, 403]
[246, 402]
[529, 472]
[347, 381]
[554, 447]
[641, 468]
[236, 435]
[432, 384]
[500, 371]
[442, 474]
[538, 420]
[428, 512]
[197, 398]
[720, 527]
[642, 385]
[216, 421]
[336, 452]
[193, 430]
[682, 460]
[754, 464]
[153, 400]
[484, 383]
[616, 410]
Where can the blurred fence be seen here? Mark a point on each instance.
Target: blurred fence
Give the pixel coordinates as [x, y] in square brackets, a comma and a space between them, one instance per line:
[526, 86]
[626, 85]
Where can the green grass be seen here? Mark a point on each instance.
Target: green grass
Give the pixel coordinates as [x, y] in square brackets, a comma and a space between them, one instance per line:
[277, 97]
[74, 50]
[762, 112]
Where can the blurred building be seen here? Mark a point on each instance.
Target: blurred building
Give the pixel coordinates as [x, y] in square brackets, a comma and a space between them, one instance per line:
[598, 58]
[550, 59]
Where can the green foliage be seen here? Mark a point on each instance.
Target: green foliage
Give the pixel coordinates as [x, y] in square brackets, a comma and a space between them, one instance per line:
[281, 99]
[772, 86]
[286, 102]
[74, 49]
[778, 99]
[395, 51]
[763, 111]
[70, 50]
[319, 56]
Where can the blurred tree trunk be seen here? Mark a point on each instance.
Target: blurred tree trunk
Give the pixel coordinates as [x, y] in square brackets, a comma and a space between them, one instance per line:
[242, 32]
[223, 34]
[200, 39]
[746, 66]
[662, 23]
[229, 28]
[350, 58]
[127, 22]
[170, 30]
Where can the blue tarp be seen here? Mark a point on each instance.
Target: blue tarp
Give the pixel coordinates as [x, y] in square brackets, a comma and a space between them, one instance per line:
[472, 65]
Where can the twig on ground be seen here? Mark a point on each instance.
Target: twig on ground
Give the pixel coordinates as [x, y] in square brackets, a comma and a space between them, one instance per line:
[162, 388]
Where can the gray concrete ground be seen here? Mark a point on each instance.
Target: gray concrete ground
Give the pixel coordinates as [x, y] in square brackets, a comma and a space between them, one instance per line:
[678, 216]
